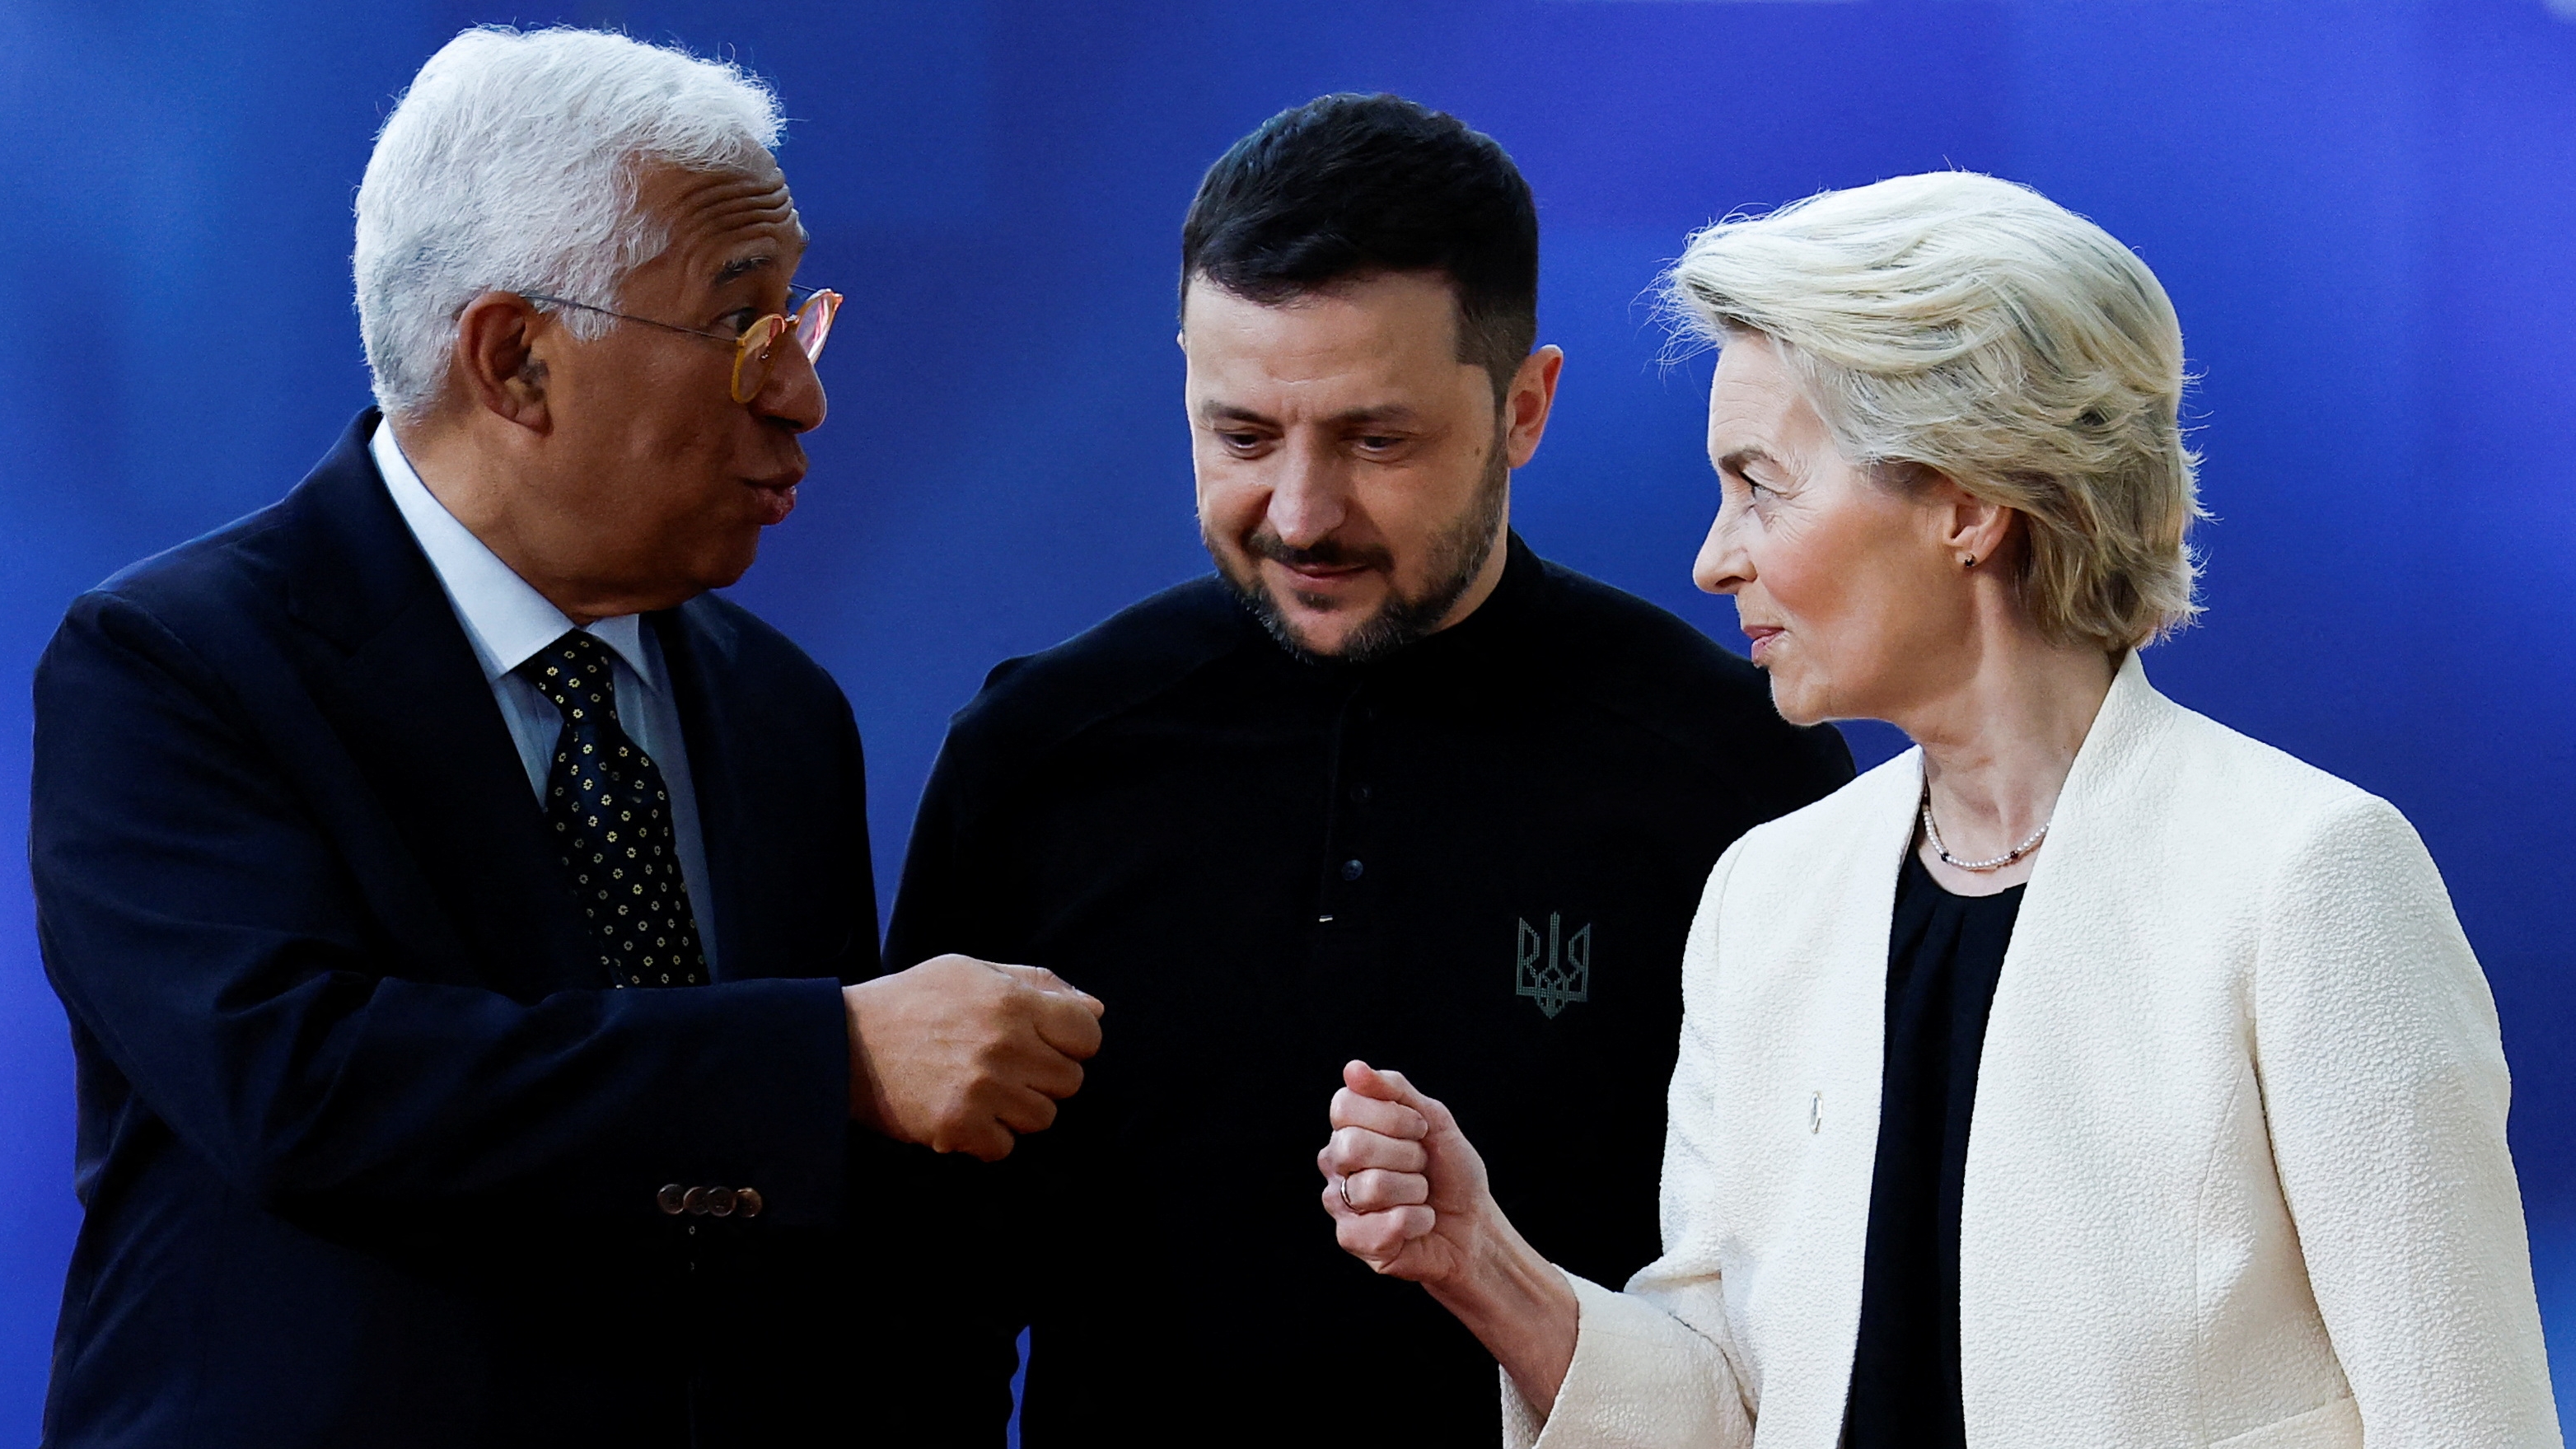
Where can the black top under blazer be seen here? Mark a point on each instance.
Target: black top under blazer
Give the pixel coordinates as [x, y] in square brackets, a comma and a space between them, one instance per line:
[368, 1153]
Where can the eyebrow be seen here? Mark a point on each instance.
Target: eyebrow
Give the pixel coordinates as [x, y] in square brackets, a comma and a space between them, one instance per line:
[1216, 412]
[735, 271]
[1389, 413]
[1734, 462]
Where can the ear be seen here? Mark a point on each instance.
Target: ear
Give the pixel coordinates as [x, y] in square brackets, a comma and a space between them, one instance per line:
[1970, 527]
[1527, 402]
[498, 364]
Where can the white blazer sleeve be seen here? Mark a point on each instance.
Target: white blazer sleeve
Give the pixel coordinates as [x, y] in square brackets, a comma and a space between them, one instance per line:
[2384, 1089]
[1649, 1369]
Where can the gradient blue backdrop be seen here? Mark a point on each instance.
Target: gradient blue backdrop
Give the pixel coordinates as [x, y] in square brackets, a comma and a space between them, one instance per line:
[2363, 210]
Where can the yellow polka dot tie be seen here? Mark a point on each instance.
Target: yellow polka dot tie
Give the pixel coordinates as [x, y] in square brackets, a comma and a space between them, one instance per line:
[610, 815]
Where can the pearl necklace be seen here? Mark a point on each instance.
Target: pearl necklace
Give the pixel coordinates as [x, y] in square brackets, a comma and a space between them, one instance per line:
[1999, 862]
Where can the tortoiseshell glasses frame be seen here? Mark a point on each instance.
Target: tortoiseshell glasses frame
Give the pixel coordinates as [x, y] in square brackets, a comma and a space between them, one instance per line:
[810, 325]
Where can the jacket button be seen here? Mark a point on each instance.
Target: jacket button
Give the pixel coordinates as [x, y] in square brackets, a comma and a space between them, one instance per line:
[1351, 869]
[672, 1199]
[720, 1202]
[747, 1202]
[695, 1200]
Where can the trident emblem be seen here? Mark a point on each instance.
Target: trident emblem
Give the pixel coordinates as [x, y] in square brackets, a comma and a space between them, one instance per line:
[1566, 975]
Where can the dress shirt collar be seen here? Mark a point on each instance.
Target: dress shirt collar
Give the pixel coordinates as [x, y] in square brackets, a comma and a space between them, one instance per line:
[505, 619]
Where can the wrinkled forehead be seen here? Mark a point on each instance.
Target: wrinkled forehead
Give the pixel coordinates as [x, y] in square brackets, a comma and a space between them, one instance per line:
[729, 221]
[1756, 400]
[1407, 302]
[1392, 331]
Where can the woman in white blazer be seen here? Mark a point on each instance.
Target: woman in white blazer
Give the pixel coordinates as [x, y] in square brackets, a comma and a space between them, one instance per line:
[2089, 1076]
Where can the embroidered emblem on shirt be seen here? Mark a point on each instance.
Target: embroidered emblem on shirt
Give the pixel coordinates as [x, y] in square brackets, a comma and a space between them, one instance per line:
[1555, 970]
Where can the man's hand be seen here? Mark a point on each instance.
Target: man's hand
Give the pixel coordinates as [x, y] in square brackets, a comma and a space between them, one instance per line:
[959, 1054]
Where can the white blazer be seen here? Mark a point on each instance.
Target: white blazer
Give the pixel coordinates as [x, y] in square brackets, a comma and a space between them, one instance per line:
[2236, 1172]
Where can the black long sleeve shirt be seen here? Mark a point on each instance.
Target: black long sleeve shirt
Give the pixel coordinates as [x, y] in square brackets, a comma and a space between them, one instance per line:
[1474, 861]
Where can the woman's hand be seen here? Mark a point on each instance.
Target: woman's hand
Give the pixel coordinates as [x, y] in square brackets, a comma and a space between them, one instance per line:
[1407, 1192]
[1409, 1197]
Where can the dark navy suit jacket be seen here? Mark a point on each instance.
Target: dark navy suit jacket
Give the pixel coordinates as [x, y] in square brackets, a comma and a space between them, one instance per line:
[369, 1156]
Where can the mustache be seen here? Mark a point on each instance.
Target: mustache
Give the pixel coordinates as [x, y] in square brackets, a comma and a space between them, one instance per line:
[1325, 553]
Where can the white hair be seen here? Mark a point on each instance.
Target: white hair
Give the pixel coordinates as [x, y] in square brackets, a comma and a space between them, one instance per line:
[1965, 325]
[511, 164]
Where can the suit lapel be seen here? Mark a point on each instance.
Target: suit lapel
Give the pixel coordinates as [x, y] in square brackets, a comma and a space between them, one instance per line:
[697, 648]
[419, 716]
[411, 705]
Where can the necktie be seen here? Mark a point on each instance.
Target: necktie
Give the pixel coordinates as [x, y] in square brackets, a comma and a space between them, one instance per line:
[610, 815]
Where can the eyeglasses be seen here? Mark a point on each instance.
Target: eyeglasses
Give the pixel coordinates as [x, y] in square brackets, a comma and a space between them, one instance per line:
[810, 324]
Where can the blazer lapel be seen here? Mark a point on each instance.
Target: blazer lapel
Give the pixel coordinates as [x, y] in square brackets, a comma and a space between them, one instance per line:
[697, 649]
[417, 716]
[2073, 1071]
[1841, 1054]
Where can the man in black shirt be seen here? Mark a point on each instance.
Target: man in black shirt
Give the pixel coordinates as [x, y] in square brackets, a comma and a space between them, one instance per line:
[1387, 785]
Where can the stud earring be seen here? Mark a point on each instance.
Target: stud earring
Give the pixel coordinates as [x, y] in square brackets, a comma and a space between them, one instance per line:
[1969, 562]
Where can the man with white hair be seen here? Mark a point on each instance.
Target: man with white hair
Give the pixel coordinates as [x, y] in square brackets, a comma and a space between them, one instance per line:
[464, 918]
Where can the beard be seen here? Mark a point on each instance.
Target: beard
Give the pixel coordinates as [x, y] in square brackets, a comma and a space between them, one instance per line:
[1457, 555]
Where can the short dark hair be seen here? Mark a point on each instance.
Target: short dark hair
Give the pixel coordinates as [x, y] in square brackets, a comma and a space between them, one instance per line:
[1347, 185]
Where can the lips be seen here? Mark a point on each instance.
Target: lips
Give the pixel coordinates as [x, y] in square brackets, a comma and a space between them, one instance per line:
[1762, 636]
[1318, 584]
[772, 503]
[1322, 576]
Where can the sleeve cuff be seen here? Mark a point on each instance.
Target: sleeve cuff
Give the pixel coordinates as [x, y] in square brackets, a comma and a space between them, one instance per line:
[767, 1106]
[1641, 1379]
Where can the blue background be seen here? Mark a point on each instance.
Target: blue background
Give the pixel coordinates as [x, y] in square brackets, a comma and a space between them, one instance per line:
[2363, 211]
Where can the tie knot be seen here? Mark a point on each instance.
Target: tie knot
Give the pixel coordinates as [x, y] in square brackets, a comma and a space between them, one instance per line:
[573, 672]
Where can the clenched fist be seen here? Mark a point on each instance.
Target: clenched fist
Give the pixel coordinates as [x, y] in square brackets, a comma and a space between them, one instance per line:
[959, 1054]
[1406, 1190]
[1409, 1197]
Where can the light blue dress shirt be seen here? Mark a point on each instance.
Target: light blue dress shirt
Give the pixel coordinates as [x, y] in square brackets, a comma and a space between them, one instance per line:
[507, 621]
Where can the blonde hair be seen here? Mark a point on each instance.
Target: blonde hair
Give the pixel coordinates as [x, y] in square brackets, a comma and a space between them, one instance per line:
[1966, 325]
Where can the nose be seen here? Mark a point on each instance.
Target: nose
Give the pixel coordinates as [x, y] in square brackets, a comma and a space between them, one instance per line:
[1310, 497]
[1723, 566]
[792, 396]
